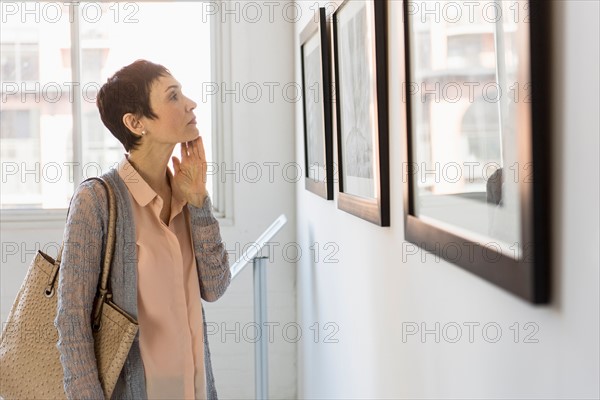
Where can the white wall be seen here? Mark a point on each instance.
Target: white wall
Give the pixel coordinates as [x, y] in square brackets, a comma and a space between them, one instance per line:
[375, 287]
[263, 132]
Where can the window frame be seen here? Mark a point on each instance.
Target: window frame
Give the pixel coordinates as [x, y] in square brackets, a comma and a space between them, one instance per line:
[222, 196]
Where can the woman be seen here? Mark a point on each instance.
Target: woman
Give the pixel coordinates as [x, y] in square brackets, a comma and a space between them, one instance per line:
[168, 251]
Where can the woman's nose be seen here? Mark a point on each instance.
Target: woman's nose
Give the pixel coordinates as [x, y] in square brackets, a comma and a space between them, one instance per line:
[191, 104]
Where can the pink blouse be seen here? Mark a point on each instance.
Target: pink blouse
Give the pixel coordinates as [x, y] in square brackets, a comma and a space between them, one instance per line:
[169, 307]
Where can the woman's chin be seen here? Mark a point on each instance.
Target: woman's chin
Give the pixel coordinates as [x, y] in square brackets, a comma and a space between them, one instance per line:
[192, 134]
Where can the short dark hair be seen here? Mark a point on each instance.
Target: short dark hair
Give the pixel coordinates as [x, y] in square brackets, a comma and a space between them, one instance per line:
[128, 91]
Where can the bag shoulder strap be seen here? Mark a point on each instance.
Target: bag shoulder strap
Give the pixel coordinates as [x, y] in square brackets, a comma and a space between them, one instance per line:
[104, 292]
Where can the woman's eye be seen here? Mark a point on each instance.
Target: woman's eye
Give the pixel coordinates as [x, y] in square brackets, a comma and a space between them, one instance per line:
[174, 96]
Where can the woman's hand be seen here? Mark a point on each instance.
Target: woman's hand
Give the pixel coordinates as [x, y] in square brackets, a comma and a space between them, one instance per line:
[189, 179]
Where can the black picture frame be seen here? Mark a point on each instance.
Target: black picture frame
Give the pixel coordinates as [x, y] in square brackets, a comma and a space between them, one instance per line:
[317, 108]
[526, 273]
[360, 65]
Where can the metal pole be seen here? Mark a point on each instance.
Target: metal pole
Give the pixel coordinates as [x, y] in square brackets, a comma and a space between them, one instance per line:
[261, 369]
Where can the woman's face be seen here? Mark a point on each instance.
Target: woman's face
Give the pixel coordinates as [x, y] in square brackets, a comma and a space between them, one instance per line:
[175, 122]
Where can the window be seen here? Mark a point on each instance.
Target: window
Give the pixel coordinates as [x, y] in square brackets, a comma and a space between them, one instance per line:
[52, 136]
[20, 61]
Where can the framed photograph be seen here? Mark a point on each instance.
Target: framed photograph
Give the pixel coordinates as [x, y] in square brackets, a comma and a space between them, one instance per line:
[316, 82]
[477, 171]
[359, 35]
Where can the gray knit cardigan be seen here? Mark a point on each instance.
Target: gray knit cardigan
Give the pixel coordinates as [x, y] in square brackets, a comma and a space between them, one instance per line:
[84, 239]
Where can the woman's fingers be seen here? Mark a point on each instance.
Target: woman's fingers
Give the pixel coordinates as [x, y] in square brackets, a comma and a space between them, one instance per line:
[196, 148]
[184, 151]
[191, 148]
[192, 151]
[200, 148]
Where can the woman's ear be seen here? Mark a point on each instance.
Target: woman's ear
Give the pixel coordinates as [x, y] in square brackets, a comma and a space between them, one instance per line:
[134, 124]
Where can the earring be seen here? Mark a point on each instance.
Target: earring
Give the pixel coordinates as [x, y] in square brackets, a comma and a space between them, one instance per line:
[143, 133]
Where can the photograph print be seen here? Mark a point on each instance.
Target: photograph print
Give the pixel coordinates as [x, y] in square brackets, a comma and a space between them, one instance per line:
[361, 105]
[316, 83]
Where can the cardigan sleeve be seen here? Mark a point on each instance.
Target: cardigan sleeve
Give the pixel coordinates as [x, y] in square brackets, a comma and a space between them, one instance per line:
[212, 260]
[77, 283]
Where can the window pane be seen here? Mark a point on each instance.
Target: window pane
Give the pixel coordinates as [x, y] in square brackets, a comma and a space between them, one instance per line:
[36, 118]
[28, 62]
[171, 34]
[8, 59]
